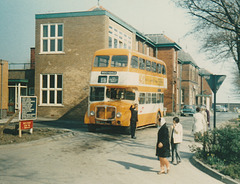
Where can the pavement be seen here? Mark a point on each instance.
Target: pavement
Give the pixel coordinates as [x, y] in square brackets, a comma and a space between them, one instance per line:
[74, 125]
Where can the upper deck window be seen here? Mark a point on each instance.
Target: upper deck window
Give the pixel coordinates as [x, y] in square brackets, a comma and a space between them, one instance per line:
[101, 61]
[142, 63]
[163, 70]
[159, 68]
[148, 65]
[134, 62]
[154, 67]
[119, 61]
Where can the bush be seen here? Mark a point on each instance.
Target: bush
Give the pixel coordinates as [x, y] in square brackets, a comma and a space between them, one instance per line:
[221, 148]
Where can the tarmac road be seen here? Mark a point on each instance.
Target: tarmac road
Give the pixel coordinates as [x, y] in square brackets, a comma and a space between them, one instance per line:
[96, 158]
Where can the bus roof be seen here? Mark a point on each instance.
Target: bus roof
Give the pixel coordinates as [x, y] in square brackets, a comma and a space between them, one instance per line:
[125, 52]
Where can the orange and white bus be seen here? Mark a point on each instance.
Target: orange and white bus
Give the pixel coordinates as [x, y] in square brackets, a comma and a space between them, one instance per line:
[120, 78]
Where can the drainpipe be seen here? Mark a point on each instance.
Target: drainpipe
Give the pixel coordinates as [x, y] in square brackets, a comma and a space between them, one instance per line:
[180, 89]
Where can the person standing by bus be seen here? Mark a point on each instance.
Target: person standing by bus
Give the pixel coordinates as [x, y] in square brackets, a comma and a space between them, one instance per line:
[176, 135]
[163, 146]
[133, 120]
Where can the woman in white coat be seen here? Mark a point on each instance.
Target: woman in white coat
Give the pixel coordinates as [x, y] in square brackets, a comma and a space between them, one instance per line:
[176, 135]
[198, 123]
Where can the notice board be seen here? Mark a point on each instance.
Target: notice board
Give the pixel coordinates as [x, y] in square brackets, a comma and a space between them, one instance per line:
[28, 110]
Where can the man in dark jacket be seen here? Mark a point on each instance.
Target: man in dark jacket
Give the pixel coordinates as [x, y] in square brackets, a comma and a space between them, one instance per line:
[133, 120]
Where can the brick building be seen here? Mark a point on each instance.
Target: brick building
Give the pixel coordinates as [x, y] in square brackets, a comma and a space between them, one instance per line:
[65, 44]
[195, 90]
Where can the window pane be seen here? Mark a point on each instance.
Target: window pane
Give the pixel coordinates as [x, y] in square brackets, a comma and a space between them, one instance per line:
[59, 81]
[142, 63]
[97, 94]
[52, 31]
[158, 98]
[154, 67]
[52, 45]
[59, 97]
[102, 79]
[101, 61]
[60, 45]
[110, 42]
[119, 61]
[45, 31]
[113, 79]
[115, 43]
[134, 62]
[45, 45]
[154, 98]
[60, 30]
[52, 81]
[44, 96]
[148, 99]
[44, 81]
[142, 98]
[163, 70]
[159, 68]
[52, 96]
[148, 65]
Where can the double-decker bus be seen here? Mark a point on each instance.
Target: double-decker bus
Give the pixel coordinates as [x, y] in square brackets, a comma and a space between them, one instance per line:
[119, 79]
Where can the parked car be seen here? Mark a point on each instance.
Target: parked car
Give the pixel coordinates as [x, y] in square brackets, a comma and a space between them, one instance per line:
[188, 110]
[220, 108]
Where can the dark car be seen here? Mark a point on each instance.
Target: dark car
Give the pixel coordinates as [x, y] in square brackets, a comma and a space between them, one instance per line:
[188, 110]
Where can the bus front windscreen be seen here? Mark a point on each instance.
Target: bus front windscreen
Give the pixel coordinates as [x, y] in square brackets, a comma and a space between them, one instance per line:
[96, 93]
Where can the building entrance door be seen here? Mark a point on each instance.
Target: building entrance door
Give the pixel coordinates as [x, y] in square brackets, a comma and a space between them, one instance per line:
[14, 95]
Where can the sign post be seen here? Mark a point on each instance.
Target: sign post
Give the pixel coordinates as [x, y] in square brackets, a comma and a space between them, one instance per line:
[214, 82]
[28, 113]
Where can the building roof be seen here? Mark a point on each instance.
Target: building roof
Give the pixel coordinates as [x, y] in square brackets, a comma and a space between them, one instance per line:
[162, 40]
[156, 40]
[203, 72]
[186, 58]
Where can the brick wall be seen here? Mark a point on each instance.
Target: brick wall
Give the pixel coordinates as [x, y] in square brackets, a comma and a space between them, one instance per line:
[168, 55]
[82, 37]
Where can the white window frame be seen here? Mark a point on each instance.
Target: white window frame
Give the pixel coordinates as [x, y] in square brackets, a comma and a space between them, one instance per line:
[48, 89]
[49, 38]
[123, 40]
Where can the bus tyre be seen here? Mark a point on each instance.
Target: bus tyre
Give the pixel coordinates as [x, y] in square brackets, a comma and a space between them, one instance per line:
[91, 128]
[127, 130]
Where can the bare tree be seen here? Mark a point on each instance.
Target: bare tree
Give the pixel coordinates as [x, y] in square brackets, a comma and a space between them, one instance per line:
[218, 24]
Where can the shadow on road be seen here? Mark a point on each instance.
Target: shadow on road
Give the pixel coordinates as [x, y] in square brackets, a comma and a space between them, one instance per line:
[129, 165]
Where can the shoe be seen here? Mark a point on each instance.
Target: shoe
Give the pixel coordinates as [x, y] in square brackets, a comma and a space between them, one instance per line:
[178, 162]
[168, 170]
[134, 137]
[161, 172]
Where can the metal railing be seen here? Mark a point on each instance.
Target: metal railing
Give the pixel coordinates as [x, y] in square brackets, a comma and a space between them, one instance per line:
[21, 66]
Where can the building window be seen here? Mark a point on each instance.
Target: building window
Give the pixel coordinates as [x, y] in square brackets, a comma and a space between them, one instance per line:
[51, 89]
[119, 39]
[51, 38]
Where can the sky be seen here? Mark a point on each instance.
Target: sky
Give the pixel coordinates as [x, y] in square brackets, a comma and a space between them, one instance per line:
[17, 30]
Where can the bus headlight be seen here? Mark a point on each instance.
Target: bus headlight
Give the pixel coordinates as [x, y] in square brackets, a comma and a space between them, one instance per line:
[92, 113]
[119, 114]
